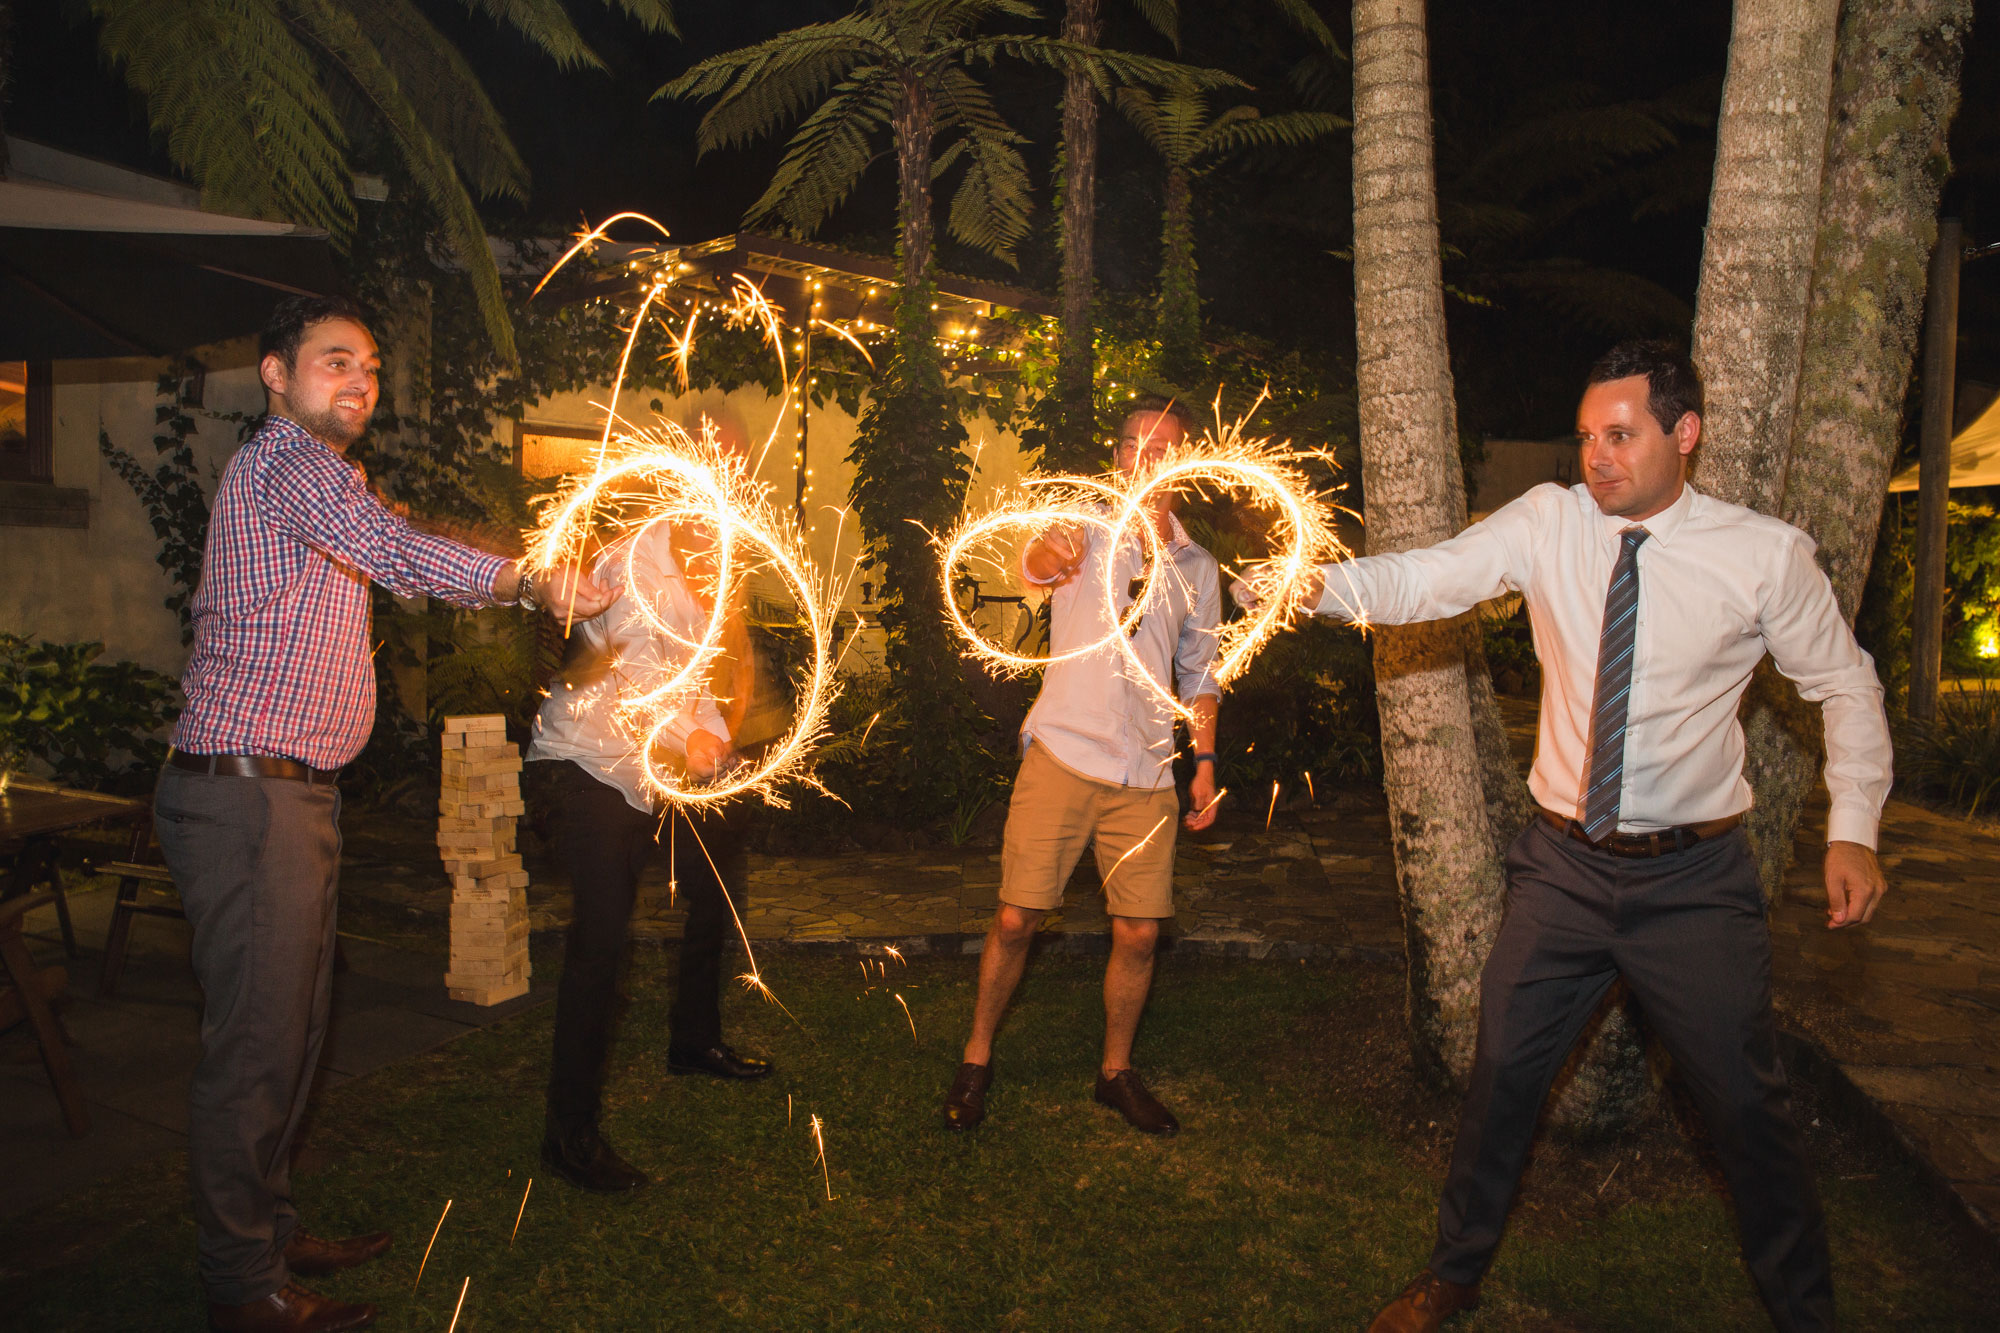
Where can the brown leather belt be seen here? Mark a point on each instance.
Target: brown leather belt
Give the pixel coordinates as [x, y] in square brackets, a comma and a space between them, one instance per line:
[1659, 843]
[252, 766]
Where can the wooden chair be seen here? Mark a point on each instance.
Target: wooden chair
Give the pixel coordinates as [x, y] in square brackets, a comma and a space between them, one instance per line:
[30, 996]
[134, 878]
[32, 863]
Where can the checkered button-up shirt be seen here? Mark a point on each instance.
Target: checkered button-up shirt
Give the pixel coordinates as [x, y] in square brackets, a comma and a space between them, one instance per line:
[281, 663]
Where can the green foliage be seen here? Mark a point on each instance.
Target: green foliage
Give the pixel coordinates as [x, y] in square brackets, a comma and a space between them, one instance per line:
[91, 724]
[857, 75]
[171, 493]
[1956, 759]
[270, 104]
[1972, 593]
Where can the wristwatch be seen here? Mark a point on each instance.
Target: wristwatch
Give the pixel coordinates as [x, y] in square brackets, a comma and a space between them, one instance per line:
[524, 591]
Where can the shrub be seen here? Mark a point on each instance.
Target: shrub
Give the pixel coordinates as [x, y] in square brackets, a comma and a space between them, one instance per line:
[1956, 759]
[89, 723]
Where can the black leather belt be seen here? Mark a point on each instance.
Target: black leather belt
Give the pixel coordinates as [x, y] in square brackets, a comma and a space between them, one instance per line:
[252, 766]
[1659, 843]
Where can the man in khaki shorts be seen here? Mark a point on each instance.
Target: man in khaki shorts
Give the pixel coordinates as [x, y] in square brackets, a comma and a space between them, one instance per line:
[1097, 768]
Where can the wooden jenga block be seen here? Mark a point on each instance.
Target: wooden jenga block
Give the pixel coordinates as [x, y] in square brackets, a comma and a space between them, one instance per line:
[487, 995]
[474, 722]
[478, 804]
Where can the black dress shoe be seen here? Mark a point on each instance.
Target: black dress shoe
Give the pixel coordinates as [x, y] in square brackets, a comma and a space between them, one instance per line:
[585, 1160]
[310, 1256]
[965, 1100]
[1124, 1093]
[290, 1309]
[718, 1060]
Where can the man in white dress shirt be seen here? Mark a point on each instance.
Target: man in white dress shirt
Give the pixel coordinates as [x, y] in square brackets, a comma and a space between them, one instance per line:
[609, 826]
[1097, 768]
[1651, 604]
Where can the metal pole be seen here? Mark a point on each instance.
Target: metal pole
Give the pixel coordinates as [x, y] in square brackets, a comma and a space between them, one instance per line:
[1934, 470]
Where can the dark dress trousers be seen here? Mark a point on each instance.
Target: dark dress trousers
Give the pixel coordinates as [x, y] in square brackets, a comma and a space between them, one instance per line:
[605, 845]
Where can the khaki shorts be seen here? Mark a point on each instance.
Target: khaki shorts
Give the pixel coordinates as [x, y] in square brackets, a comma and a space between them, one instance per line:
[1056, 810]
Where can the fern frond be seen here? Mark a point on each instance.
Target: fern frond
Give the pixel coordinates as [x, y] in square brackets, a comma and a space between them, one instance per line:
[1307, 20]
[1163, 17]
[238, 100]
[652, 15]
[545, 24]
[446, 95]
[827, 157]
[1106, 69]
[989, 210]
[760, 88]
[334, 29]
[1232, 133]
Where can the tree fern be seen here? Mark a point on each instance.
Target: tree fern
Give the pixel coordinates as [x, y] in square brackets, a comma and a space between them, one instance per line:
[248, 98]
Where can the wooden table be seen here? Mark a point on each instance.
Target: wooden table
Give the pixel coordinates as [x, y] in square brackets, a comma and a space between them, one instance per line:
[32, 813]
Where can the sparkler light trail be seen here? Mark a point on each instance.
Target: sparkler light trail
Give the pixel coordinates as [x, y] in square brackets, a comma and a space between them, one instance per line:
[913, 1022]
[644, 476]
[461, 1303]
[1274, 808]
[1118, 509]
[427, 1248]
[522, 1213]
[1213, 802]
[819, 1137]
[1135, 847]
[753, 979]
[1311, 795]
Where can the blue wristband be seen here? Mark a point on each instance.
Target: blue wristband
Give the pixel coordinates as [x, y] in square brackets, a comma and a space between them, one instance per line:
[1207, 755]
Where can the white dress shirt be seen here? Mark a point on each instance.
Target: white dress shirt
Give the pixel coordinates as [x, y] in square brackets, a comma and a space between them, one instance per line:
[1091, 714]
[1719, 586]
[627, 654]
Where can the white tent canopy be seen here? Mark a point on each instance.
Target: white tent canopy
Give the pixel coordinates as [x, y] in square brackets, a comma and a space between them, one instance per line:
[1975, 455]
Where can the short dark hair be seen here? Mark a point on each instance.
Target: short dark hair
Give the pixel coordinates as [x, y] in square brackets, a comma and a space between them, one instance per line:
[1673, 384]
[1168, 407]
[293, 316]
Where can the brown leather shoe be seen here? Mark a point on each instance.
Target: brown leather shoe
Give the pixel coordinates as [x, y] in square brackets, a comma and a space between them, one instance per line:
[1426, 1303]
[310, 1256]
[965, 1101]
[291, 1309]
[1126, 1094]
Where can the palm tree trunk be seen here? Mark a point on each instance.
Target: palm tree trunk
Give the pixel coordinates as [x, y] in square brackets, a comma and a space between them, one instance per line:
[1446, 869]
[1757, 260]
[1075, 426]
[1180, 299]
[1896, 88]
[916, 130]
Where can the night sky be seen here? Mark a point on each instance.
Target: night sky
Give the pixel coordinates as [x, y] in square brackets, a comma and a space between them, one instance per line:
[1269, 224]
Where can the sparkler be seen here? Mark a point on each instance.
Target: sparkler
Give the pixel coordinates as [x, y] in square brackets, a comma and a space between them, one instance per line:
[913, 1022]
[1268, 814]
[467, 1286]
[522, 1213]
[1215, 801]
[427, 1249]
[1119, 509]
[819, 1137]
[641, 477]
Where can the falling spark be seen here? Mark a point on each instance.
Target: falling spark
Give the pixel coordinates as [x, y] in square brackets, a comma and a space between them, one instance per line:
[427, 1249]
[895, 953]
[870, 727]
[522, 1213]
[1274, 808]
[864, 968]
[788, 1110]
[1311, 795]
[1217, 800]
[1135, 848]
[1118, 510]
[752, 980]
[819, 1137]
[913, 1022]
[467, 1286]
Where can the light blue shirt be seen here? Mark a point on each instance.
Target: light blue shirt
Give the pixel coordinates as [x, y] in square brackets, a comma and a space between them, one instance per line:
[1092, 715]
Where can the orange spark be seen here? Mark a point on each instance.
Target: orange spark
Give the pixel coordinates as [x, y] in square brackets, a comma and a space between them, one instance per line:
[461, 1303]
[1274, 808]
[427, 1249]
[1137, 846]
[522, 1213]
[819, 1137]
[906, 1013]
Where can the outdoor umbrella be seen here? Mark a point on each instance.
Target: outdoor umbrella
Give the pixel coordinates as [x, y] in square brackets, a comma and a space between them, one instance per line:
[90, 275]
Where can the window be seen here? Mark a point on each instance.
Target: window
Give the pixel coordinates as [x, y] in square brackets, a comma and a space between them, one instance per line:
[26, 422]
[545, 450]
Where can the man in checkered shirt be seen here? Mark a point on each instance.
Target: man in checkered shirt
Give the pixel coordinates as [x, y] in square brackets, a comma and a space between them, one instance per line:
[281, 693]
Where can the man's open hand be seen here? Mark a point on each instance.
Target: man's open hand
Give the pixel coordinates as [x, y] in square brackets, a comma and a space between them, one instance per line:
[1201, 798]
[1260, 581]
[1854, 884]
[567, 593]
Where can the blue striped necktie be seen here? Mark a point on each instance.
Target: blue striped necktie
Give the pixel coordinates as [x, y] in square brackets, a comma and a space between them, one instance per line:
[1614, 690]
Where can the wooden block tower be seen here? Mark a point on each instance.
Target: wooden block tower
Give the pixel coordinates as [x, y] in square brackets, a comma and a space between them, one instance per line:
[480, 801]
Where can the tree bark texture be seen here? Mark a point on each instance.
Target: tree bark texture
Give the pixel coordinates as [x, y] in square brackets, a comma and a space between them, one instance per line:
[1895, 91]
[1076, 426]
[916, 131]
[1180, 297]
[1447, 872]
[1757, 260]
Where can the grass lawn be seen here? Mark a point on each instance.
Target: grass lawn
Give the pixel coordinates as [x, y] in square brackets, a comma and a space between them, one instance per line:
[1300, 1193]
